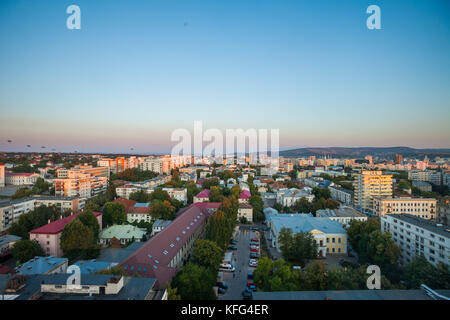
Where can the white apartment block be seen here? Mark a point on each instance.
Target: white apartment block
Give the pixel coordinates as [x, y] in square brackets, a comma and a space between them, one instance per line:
[152, 164]
[421, 207]
[10, 211]
[426, 175]
[342, 195]
[417, 236]
[21, 179]
[179, 194]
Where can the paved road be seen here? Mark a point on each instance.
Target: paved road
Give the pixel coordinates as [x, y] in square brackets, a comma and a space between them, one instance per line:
[238, 281]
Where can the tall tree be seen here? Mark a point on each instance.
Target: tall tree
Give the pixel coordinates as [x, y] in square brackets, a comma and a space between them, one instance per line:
[24, 250]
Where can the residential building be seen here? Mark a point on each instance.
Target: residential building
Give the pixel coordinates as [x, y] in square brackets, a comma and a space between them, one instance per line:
[139, 212]
[420, 207]
[164, 254]
[288, 197]
[431, 176]
[43, 265]
[245, 210]
[10, 211]
[122, 233]
[49, 235]
[203, 196]
[84, 182]
[342, 195]
[369, 184]
[244, 196]
[422, 186]
[417, 236]
[159, 225]
[20, 179]
[443, 212]
[6, 243]
[64, 204]
[329, 235]
[179, 194]
[2, 175]
[344, 215]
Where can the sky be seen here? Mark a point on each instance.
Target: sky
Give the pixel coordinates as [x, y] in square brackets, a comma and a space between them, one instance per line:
[138, 70]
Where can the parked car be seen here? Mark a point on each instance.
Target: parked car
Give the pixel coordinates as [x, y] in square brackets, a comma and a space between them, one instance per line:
[254, 239]
[254, 255]
[247, 294]
[227, 268]
[233, 241]
[232, 248]
[252, 286]
[254, 250]
[253, 264]
[250, 276]
[222, 285]
[221, 290]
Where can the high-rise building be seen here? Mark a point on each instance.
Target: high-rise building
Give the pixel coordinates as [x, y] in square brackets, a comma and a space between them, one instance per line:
[398, 159]
[369, 184]
[2, 175]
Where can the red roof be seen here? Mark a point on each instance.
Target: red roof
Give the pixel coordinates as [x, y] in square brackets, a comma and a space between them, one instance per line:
[204, 194]
[153, 258]
[245, 194]
[57, 226]
[126, 202]
[206, 205]
[13, 174]
[143, 210]
[6, 269]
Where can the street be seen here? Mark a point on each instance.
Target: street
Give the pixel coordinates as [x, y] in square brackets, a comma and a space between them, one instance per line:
[237, 280]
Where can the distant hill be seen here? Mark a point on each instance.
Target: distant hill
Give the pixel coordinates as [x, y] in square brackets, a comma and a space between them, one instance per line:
[360, 152]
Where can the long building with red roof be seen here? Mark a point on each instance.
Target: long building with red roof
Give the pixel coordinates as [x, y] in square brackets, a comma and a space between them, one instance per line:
[164, 254]
[49, 235]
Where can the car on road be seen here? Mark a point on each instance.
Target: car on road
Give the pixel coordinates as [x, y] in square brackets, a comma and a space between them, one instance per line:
[227, 268]
[253, 264]
[247, 294]
[232, 247]
[250, 276]
[251, 286]
[222, 285]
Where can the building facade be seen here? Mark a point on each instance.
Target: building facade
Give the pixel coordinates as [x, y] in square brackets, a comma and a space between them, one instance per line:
[421, 207]
[342, 195]
[369, 184]
[417, 236]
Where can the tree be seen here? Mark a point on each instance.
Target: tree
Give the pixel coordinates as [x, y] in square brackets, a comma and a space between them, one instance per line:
[195, 282]
[207, 254]
[215, 194]
[321, 193]
[77, 241]
[172, 293]
[114, 213]
[90, 220]
[420, 271]
[297, 247]
[208, 183]
[159, 194]
[139, 196]
[162, 209]
[302, 206]
[24, 250]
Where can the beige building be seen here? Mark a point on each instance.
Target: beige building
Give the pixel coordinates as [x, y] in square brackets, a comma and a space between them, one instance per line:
[2, 175]
[370, 184]
[245, 210]
[421, 207]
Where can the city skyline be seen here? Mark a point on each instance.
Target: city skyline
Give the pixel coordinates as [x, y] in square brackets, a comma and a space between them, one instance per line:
[138, 70]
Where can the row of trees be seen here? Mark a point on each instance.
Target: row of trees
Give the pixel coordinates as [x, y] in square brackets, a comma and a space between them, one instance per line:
[321, 201]
[298, 247]
[134, 175]
[40, 187]
[34, 219]
[280, 276]
[255, 201]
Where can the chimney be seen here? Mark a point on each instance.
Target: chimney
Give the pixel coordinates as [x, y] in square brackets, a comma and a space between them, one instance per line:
[48, 221]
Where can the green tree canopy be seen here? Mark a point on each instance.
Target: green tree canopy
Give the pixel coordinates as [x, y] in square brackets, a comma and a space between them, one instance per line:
[24, 250]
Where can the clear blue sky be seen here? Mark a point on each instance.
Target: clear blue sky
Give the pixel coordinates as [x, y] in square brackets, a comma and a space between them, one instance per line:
[139, 69]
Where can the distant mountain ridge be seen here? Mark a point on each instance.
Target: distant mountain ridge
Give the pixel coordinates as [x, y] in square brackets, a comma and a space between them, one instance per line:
[364, 151]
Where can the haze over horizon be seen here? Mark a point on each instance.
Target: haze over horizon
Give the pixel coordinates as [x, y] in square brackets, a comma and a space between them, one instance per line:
[137, 70]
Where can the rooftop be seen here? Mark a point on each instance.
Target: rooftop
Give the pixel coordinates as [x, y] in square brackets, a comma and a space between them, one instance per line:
[443, 230]
[204, 194]
[8, 239]
[92, 266]
[122, 232]
[305, 223]
[342, 211]
[58, 225]
[40, 265]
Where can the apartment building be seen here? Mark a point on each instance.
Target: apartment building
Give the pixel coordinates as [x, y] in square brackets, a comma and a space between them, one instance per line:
[82, 182]
[245, 210]
[422, 186]
[344, 215]
[10, 211]
[417, 236]
[369, 184]
[20, 179]
[288, 197]
[421, 207]
[342, 195]
[443, 212]
[2, 175]
[49, 235]
[164, 254]
[431, 176]
[179, 194]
